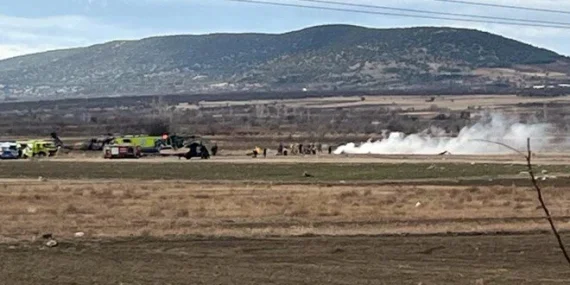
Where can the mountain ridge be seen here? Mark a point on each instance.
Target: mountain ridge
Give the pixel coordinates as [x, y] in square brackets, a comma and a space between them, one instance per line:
[327, 57]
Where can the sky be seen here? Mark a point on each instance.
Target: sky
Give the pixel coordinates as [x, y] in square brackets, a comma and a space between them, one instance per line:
[29, 26]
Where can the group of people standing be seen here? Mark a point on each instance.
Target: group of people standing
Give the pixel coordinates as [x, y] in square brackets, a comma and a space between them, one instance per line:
[302, 149]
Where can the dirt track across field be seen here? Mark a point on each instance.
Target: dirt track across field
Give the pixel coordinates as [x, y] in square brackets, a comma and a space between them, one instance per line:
[499, 259]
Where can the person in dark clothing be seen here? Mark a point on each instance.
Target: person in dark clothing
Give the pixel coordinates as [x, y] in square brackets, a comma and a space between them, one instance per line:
[214, 149]
[300, 148]
[330, 149]
[264, 152]
[280, 149]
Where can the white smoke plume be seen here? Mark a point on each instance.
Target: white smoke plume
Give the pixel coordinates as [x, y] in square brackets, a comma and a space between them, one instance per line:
[492, 127]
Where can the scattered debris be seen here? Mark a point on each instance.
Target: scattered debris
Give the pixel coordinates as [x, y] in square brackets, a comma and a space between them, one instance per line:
[51, 243]
[32, 210]
[306, 174]
[79, 234]
[418, 204]
[544, 171]
[42, 179]
[431, 167]
[338, 250]
[431, 250]
[444, 153]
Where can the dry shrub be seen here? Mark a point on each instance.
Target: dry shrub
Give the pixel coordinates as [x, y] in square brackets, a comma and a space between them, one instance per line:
[145, 233]
[182, 213]
[23, 197]
[503, 190]
[201, 196]
[70, 209]
[389, 200]
[473, 189]
[330, 213]
[89, 188]
[419, 191]
[103, 194]
[155, 210]
[452, 205]
[399, 212]
[454, 193]
[128, 194]
[486, 196]
[521, 198]
[299, 212]
[50, 212]
[519, 206]
[201, 211]
[347, 194]
[179, 186]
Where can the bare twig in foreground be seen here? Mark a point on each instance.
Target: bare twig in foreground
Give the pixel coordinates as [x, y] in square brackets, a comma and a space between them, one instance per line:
[528, 158]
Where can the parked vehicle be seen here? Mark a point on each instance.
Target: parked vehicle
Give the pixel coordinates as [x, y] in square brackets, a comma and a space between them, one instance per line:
[121, 151]
[152, 144]
[37, 148]
[9, 150]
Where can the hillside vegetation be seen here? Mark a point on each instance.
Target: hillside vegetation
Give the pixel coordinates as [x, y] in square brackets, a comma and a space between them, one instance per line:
[334, 57]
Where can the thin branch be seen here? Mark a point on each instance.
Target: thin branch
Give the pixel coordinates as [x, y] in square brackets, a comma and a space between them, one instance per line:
[528, 158]
[503, 145]
[543, 204]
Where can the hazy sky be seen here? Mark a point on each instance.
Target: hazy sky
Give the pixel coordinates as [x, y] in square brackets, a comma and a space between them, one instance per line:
[28, 26]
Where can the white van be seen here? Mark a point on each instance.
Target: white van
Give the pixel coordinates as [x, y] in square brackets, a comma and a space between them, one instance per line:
[9, 150]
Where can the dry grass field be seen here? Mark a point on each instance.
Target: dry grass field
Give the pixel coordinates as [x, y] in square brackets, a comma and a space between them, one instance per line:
[243, 232]
[163, 208]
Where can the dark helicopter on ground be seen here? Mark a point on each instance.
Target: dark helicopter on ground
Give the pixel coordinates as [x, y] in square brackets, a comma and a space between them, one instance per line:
[194, 147]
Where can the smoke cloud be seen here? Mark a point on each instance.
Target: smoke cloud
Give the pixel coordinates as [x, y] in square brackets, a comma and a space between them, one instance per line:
[492, 127]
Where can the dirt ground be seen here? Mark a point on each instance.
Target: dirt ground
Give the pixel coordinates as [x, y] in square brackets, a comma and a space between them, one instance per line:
[492, 259]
